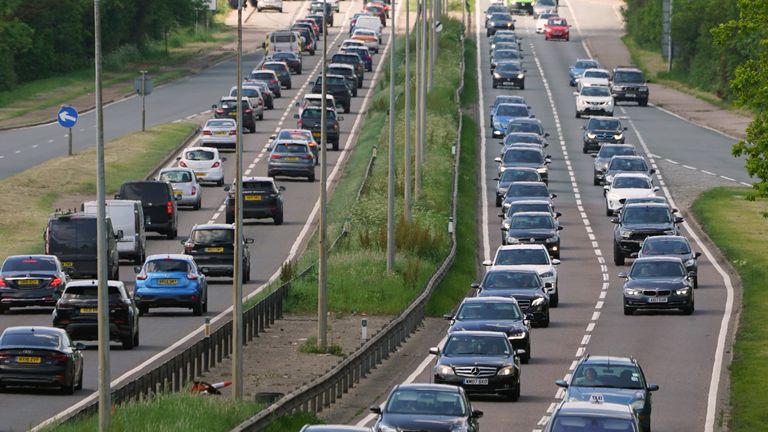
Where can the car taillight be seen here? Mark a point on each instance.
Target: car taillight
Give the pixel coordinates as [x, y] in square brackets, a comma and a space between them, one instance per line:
[191, 276]
[307, 156]
[4, 357]
[273, 82]
[233, 132]
[194, 190]
[188, 247]
[220, 110]
[56, 358]
[182, 164]
[56, 282]
[216, 164]
[170, 207]
[299, 124]
[248, 111]
[207, 132]
[141, 276]
[3, 284]
[274, 156]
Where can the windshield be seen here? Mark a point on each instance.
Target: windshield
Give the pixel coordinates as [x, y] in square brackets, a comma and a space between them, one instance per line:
[532, 127]
[547, 16]
[465, 345]
[29, 264]
[488, 311]
[523, 156]
[546, 2]
[608, 151]
[647, 215]
[604, 124]
[277, 67]
[510, 280]
[531, 222]
[213, 236]
[506, 53]
[522, 257]
[631, 183]
[294, 135]
[258, 186]
[557, 22]
[623, 164]
[508, 99]
[634, 77]
[512, 175]
[166, 266]
[525, 207]
[264, 75]
[522, 138]
[532, 190]
[341, 71]
[586, 423]
[657, 269]
[662, 247]
[501, 17]
[591, 73]
[30, 339]
[176, 176]
[427, 402]
[595, 91]
[585, 64]
[512, 110]
[608, 375]
[509, 67]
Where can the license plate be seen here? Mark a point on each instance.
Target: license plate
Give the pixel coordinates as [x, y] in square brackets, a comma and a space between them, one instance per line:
[252, 197]
[630, 95]
[167, 281]
[316, 134]
[658, 300]
[200, 174]
[177, 193]
[28, 359]
[233, 114]
[215, 249]
[476, 381]
[220, 133]
[67, 264]
[89, 310]
[27, 282]
[292, 158]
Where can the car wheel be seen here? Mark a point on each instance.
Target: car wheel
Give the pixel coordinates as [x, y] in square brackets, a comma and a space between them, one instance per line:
[568, 38]
[584, 149]
[618, 257]
[514, 394]
[578, 115]
[348, 108]
[69, 389]
[205, 303]
[136, 338]
[522, 85]
[608, 211]
[116, 273]
[503, 240]
[629, 311]
[336, 145]
[261, 116]
[221, 180]
[554, 299]
[251, 129]
[278, 218]
[498, 201]
[143, 310]
[197, 308]
[128, 342]
[171, 234]
[229, 218]
[526, 358]
[545, 323]
[2, 309]
[595, 181]
[79, 385]
[689, 310]
[695, 282]
[643, 102]
[198, 204]
[288, 87]
[494, 85]
[311, 178]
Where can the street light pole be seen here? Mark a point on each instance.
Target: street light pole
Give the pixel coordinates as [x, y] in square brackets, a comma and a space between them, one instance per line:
[237, 270]
[407, 169]
[417, 108]
[391, 159]
[432, 48]
[322, 268]
[423, 90]
[105, 396]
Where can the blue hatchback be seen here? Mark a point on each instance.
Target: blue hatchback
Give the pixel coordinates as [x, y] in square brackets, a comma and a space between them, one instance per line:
[171, 280]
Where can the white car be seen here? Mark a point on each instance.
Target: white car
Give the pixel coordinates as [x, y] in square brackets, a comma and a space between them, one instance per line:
[369, 37]
[205, 162]
[351, 43]
[593, 77]
[219, 133]
[185, 186]
[529, 257]
[542, 21]
[594, 100]
[627, 185]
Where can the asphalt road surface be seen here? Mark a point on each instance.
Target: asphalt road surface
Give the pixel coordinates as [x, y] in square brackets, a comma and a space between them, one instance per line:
[20, 410]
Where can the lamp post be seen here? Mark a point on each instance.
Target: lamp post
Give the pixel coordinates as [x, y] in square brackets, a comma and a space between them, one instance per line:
[391, 159]
[322, 268]
[407, 167]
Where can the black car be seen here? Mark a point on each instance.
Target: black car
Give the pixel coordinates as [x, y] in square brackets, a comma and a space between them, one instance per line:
[321, 8]
[626, 164]
[31, 280]
[504, 55]
[511, 175]
[503, 37]
[524, 138]
[227, 108]
[494, 8]
[629, 84]
[534, 227]
[158, 201]
[531, 125]
[499, 21]
[213, 248]
[659, 282]
[336, 87]
[261, 199]
[525, 156]
[77, 313]
[427, 407]
[676, 246]
[604, 155]
[509, 73]
[599, 130]
[292, 59]
[480, 362]
[525, 190]
[525, 286]
[498, 314]
[354, 60]
[71, 237]
[40, 357]
[346, 71]
[638, 221]
[524, 206]
[312, 120]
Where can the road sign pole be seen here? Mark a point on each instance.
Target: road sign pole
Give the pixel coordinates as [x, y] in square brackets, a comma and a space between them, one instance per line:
[69, 145]
[143, 99]
[237, 289]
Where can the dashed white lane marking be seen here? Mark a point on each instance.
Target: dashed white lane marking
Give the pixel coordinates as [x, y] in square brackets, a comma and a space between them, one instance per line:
[708, 173]
[672, 162]
[50, 141]
[35, 145]
[745, 184]
[191, 116]
[727, 178]
[17, 151]
[689, 167]
[176, 121]
[2, 157]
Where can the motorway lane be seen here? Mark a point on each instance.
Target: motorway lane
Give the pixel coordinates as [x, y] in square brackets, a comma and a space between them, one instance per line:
[268, 252]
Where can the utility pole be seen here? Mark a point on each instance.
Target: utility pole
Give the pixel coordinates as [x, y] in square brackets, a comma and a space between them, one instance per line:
[237, 269]
[417, 108]
[407, 166]
[391, 159]
[423, 108]
[143, 98]
[432, 47]
[322, 268]
[105, 393]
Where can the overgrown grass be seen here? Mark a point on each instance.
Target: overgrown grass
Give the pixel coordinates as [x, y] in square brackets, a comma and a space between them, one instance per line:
[310, 346]
[740, 230]
[126, 158]
[293, 422]
[178, 412]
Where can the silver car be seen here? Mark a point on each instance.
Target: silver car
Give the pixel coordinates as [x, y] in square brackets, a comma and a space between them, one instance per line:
[253, 93]
[219, 133]
[185, 185]
[292, 159]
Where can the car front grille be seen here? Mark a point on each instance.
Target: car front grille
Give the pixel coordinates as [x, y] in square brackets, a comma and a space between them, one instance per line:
[601, 136]
[475, 371]
[656, 293]
[523, 303]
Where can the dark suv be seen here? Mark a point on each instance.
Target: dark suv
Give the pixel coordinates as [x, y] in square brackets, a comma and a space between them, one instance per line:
[638, 221]
[311, 119]
[77, 313]
[31, 280]
[213, 248]
[71, 237]
[158, 202]
[261, 200]
[338, 88]
[629, 84]
[599, 130]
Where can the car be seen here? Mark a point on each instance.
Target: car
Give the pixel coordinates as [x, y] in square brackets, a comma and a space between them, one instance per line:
[311, 119]
[71, 237]
[185, 186]
[519, 206]
[543, 19]
[513, 174]
[531, 125]
[346, 43]
[270, 78]
[206, 162]
[276, 5]
[593, 78]
[316, 100]
[315, 25]
[658, 282]
[481, 362]
[494, 8]
[159, 203]
[526, 155]
[370, 22]
[364, 54]
[604, 155]
[525, 286]
[494, 314]
[227, 108]
[617, 379]
[627, 185]
[353, 19]
[593, 415]
[524, 191]
[499, 21]
[254, 94]
[530, 257]
[419, 406]
[40, 357]
[377, 10]
[170, 280]
[126, 216]
[504, 37]
[317, 15]
[557, 28]
[534, 228]
[213, 248]
[333, 428]
[579, 66]
[370, 37]
[509, 73]
[337, 87]
[673, 245]
[505, 113]
[266, 93]
[291, 59]
[638, 221]
[501, 99]
[76, 312]
[308, 39]
[31, 280]
[262, 199]
[626, 164]
[505, 55]
[522, 138]
[351, 59]
[292, 159]
[347, 71]
[304, 135]
[648, 199]
[594, 100]
[542, 6]
[282, 40]
[219, 133]
[507, 45]
[521, 7]
[629, 84]
[600, 130]
[281, 70]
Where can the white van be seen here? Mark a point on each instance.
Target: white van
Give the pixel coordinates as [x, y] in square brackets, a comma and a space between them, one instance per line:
[284, 40]
[370, 23]
[128, 216]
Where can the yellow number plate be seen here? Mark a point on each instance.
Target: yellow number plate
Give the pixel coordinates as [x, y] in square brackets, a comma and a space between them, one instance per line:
[252, 197]
[28, 282]
[67, 264]
[292, 158]
[316, 134]
[220, 133]
[28, 359]
[89, 310]
[215, 249]
[167, 281]
[200, 174]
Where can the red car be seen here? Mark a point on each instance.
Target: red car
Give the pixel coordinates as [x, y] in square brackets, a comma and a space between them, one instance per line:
[557, 28]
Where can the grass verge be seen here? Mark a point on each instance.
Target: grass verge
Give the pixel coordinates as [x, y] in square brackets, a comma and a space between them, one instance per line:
[738, 228]
[126, 158]
[293, 422]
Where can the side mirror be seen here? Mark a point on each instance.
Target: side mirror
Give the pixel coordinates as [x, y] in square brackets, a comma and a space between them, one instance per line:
[584, 127]
[177, 197]
[606, 188]
[691, 274]
[474, 285]
[227, 188]
[634, 255]
[553, 195]
[340, 118]
[178, 158]
[119, 235]
[434, 351]
[520, 352]
[547, 284]
[296, 104]
[501, 215]
[546, 134]
[117, 196]
[623, 275]
[558, 214]
[675, 210]
[615, 220]
[555, 262]
[137, 269]
[561, 383]
[593, 155]
[448, 317]
[375, 409]
[532, 115]
[624, 128]
[497, 159]
[487, 263]
[495, 179]
[273, 136]
[296, 116]
[575, 93]
[678, 219]
[249, 241]
[560, 227]
[476, 414]
[223, 159]
[653, 387]
[652, 171]
[281, 188]
[80, 346]
[214, 106]
[655, 188]
[696, 254]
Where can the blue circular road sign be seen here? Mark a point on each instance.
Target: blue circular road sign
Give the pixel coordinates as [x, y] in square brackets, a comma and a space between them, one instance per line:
[67, 116]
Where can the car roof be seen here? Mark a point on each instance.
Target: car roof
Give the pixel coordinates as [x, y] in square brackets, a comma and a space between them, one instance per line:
[213, 226]
[423, 386]
[533, 213]
[274, 62]
[520, 168]
[510, 268]
[259, 178]
[489, 299]
[513, 104]
[182, 257]
[290, 141]
[341, 65]
[479, 333]
[222, 119]
[523, 246]
[598, 359]
[93, 282]
[632, 174]
[527, 183]
[33, 256]
[647, 204]
[627, 69]
[667, 238]
[627, 157]
[597, 69]
[39, 329]
[606, 409]
[658, 258]
[532, 201]
[334, 428]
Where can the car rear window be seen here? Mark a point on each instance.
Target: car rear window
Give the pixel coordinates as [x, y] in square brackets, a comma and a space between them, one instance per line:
[176, 176]
[147, 193]
[609, 151]
[84, 292]
[264, 75]
[29, 264]
[258, 186]
[213, 236]
[221, 123]
[199, 155]
[293, 135]
[292, 148]
[73, 232]
[30, 339]
[282, 38]
[340, 71]
[166, 265]
[277, 67]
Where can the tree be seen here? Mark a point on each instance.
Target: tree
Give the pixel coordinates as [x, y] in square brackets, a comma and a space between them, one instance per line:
[15, 39]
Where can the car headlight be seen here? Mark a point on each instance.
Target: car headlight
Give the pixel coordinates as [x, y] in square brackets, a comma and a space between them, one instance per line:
[459, 427]
[538, 301]
[618, 136]
[590, 135]
[520, 76]
[670, 232]
[513, 240]
[633, 291]
[517, 335]
[444, 370]
[638, 404]
[626, 233]
[385, 428]
[683, 291]
[552, 239]
[506, 371]
[498, 125]
[497, 75]
[690, 263]
[506, 225]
